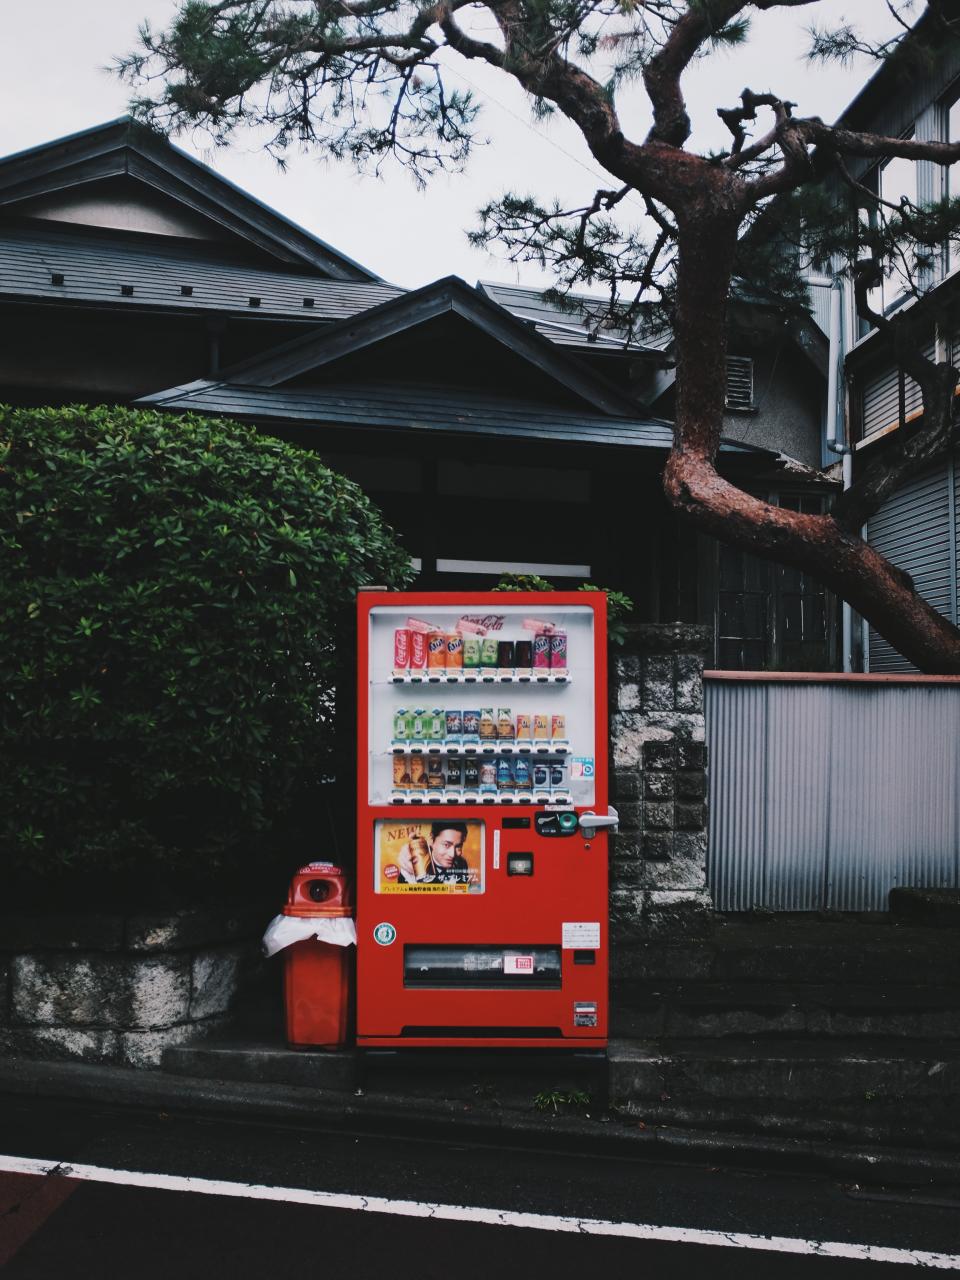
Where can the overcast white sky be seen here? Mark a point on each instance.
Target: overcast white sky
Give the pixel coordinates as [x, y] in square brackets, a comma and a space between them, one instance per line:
[53, 82]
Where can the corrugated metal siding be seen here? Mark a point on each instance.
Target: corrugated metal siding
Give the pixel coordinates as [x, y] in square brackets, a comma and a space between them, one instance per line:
[916, 530]
[820, 305]
[826, 796]
[880, 404]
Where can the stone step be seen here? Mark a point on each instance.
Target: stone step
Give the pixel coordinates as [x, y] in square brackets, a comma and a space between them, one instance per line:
[721, 1009]
[873, 1121]
[506, 1078]
[784, 1075]
[259, 1061]
[796, 951]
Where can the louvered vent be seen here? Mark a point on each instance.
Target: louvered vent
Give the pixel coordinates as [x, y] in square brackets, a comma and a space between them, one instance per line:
[739, 382]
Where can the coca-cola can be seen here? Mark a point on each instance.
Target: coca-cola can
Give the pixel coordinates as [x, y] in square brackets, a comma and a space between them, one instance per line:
[418, 651]
[401, 651]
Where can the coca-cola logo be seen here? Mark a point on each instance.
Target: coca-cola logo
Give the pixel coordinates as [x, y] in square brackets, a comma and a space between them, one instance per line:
[486, 621]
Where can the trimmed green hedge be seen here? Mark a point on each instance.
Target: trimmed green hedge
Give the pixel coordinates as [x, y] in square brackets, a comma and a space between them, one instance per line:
[170, 589]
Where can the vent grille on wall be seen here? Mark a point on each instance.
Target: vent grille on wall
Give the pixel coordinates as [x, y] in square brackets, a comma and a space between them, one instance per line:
[739, 382]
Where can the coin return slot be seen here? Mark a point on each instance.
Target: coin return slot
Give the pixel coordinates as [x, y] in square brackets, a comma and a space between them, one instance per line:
[519, 864]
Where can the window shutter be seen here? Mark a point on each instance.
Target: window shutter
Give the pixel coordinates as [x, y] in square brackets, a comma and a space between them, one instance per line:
[739, 382]
[913, 529]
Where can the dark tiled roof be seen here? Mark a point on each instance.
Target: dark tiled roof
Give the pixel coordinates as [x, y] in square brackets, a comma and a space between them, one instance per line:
[101, 270]
[411, 407]
[565, 328]
[130, 151]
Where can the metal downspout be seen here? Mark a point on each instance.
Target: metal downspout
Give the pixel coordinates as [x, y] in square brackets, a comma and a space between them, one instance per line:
[844, 450]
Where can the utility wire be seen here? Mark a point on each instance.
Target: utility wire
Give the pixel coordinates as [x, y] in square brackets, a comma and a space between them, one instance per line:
[541, 136]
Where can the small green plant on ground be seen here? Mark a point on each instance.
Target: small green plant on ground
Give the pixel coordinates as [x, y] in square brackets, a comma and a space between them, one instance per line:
[619, 605]
[170, 593]
[556, 1100]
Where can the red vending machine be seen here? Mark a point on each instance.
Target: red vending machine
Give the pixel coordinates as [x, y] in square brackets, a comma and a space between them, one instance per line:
[482, 820]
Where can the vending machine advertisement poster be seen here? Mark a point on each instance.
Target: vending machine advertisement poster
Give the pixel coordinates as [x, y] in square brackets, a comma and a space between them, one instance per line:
[441, 856]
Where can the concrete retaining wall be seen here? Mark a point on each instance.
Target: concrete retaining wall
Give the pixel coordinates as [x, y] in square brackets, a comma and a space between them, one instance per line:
[121, 989]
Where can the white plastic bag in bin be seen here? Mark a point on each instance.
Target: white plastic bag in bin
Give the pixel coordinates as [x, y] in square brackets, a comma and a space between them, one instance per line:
[284, 931]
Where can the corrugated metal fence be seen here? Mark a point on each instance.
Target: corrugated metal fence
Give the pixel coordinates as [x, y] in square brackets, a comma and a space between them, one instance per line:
[827, 791]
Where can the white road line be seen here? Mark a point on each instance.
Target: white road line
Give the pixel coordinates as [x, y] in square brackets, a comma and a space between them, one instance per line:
[487, 1217]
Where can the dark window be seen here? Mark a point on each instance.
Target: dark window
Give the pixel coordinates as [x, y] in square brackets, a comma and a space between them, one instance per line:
[771, 617]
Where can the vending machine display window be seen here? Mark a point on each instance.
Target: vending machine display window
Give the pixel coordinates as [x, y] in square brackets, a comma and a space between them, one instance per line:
[492, 708]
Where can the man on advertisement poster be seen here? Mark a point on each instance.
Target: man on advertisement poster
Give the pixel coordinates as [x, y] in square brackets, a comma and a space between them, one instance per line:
[445, 854]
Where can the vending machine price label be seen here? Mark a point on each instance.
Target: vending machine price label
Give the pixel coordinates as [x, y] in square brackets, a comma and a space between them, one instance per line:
[581, 935]
[518, 964]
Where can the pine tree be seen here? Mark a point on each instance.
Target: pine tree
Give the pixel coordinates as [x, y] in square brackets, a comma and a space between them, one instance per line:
[365, 79]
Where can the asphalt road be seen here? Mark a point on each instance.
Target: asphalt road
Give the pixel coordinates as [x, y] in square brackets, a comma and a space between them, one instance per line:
[68, 1224]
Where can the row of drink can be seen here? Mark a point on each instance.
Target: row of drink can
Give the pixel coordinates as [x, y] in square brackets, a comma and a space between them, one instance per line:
[483, 725]
[421, 651]
[419, 773]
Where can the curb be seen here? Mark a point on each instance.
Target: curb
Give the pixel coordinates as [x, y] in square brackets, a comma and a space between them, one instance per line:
[118, 1088]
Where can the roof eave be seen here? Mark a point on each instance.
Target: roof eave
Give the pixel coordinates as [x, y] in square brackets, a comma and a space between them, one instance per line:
[124, 147]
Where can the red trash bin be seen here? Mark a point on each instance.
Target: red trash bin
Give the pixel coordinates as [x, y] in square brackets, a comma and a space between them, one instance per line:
[318, 976]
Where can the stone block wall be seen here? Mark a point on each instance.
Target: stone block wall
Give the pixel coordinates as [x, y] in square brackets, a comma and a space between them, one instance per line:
[659, 786]
[121, 989]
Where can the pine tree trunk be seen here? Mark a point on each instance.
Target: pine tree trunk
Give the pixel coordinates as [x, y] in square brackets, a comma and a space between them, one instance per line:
[846, 564]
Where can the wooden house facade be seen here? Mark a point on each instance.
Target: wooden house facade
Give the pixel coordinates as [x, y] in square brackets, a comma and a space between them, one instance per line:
[497, 433]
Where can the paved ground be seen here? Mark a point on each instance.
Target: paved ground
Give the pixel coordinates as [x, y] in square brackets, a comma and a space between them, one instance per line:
[239, 1217]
